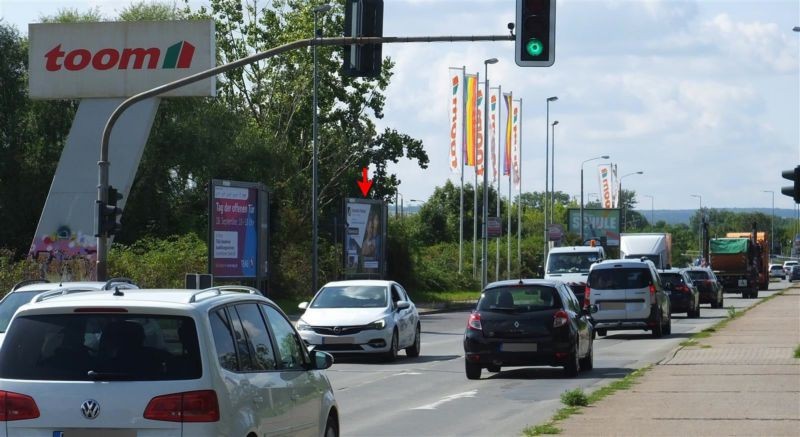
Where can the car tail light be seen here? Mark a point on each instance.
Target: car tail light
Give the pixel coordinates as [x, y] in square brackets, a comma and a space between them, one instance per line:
[560, 318]
[16, 406]
[190, 406]
[652, 290]
[475, 322]
[682, 288]
[586, 293]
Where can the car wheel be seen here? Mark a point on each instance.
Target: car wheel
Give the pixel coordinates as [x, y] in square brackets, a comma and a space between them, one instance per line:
[493, 369]
[331, 427]
[695, 313]
[658, 330]
[587, 362]
[602, 332]
[668, 327]
[391, 355]
[754, 294]
[573, 366]
[413, 350]
[473, 370]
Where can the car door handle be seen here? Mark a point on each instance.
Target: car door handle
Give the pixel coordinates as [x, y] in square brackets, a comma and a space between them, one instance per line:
[258, 399]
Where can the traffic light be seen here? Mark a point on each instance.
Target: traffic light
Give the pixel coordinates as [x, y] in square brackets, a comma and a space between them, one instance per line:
[536, 33]
[109, 213]
[793, 191]
[363, 18]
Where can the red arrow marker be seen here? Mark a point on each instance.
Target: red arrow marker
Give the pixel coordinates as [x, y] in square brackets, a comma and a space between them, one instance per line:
[365, 184]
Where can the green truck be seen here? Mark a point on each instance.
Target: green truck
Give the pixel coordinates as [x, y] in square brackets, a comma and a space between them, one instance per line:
[735, 261]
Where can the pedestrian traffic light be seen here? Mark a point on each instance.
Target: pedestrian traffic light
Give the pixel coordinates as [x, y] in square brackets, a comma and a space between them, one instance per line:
[536, 33]
[793, 191]
[363, 18]
[109, 213]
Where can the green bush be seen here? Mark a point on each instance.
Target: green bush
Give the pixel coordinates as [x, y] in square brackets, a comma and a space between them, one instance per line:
[575, 398]
[156, 263]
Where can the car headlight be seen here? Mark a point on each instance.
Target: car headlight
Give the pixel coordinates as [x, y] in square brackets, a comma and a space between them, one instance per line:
[302, 326]
[378, 324]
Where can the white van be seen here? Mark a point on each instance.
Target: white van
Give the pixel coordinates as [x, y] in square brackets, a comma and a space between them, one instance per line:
[571, 264]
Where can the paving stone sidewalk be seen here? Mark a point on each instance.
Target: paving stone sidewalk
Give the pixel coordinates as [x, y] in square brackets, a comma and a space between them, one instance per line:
[741, 381]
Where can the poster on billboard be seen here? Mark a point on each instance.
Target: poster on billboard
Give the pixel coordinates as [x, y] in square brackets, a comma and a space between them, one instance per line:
[597, 223]
[239, 230]
[365, 238]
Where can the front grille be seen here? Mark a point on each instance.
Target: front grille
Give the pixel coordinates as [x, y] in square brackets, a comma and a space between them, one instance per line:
[337, 330]
[339, 347]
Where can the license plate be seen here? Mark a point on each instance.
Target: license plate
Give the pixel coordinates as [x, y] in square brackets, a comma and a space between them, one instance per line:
[612, 305]
[90, 432]
[518, 347]
[337, 340]
[743, 282]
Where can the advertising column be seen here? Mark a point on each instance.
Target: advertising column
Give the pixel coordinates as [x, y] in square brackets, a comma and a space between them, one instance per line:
[365, 239]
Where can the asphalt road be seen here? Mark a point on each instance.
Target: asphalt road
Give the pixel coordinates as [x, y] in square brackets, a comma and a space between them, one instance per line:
[431, 396]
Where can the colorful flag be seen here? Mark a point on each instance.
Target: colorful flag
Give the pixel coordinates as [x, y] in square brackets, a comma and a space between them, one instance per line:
[516, 145]
[606, 185]
[616, 185]
[471, 109]
[456, 103]
[507, 155]
[493, 100]
[480, 150]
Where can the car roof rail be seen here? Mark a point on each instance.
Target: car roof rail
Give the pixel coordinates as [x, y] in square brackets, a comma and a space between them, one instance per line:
[28, 282]
[118, 281]
[221, 288]
[61, 292]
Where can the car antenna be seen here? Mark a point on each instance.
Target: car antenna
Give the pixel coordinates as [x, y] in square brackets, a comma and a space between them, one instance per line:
[117, 292]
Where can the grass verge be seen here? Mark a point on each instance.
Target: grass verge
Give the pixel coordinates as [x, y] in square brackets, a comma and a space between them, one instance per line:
[797, 351]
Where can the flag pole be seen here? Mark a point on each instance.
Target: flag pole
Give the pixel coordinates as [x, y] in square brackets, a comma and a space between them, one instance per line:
[496, 137]
[463, 142]
[519, 201]
[475, 192]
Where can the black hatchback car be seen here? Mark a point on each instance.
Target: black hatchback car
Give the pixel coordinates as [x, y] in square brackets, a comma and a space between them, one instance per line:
[683, 295]
[708, 285]
[528, 322]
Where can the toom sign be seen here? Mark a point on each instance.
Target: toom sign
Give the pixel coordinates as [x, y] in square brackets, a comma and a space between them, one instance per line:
[119, 59]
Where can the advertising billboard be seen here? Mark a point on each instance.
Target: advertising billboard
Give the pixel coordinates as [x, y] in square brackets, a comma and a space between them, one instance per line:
[365, 238]
[597, 223]
[238, 238]
[119, 59]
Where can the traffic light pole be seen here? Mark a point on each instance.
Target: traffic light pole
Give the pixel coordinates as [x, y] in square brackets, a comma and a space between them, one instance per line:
[103, 164]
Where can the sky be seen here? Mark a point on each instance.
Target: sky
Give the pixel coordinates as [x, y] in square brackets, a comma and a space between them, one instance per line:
[703, 97]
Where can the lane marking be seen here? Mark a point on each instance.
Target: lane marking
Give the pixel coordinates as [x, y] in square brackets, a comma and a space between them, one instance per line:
[466, 394]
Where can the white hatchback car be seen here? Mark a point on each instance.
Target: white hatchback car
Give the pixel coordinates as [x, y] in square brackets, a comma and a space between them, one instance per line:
[361, 316]
[219, 361]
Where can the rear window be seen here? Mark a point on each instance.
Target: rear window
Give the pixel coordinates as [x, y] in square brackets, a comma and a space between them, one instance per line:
[92, 347]
[619, 278]
[697, 275]
[520, 299]
[673, 279]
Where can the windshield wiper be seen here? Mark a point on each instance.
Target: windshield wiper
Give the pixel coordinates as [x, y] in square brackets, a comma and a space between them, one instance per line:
[108, 376]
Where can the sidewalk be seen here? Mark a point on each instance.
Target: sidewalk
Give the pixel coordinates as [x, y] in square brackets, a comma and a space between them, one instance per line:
[743, 380]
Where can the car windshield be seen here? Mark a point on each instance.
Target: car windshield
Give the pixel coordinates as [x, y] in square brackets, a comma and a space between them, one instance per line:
[92, 347]
[351, 296]
[577, 262]
[775, 268]
[520, 299]
[697, 275]
[619, 278]
[11, 303]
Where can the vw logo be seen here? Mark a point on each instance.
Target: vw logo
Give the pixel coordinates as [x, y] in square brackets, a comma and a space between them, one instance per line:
[337, 330]
[90, 409]
[516, 324]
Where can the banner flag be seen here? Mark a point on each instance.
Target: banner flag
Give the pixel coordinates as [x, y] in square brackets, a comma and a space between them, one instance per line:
[472, 106]
[493, 97]
[480, 149]
[456, 103]
[507, 147]
[615, 183]
[606, 191]
[516, 143]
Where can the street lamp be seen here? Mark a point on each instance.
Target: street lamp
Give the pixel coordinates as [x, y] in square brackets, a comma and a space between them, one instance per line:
[622, 201]
[652, 220]
[314, 132]
[547, 169]
[553, 172]
[484, 245]
[700, 225]
[584, 162]
[772, 223]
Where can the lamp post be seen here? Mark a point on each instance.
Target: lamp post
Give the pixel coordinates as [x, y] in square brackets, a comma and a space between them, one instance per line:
[553, 171]
[584, 162]
[484, 245]
[772, 223]
[622, 201]
[314, 133]
[547, 169]
[652, 220]
[700, 225]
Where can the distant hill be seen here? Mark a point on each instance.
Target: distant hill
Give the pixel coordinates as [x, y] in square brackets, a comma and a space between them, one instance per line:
[675, 216]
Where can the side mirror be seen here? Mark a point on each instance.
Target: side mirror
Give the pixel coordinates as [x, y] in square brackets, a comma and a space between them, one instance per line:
[320, 360]
[591, 309]
[403, 304]
[302, 305]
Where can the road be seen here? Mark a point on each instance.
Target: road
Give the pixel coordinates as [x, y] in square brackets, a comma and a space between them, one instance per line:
[431, 396]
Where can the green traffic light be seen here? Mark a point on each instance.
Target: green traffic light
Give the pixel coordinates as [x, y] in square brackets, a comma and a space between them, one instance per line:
[534, 47]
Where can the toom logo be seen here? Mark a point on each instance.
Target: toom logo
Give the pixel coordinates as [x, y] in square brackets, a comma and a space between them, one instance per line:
[178, 55]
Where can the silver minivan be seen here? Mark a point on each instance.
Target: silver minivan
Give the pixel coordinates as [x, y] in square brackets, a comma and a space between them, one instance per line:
[627, 294]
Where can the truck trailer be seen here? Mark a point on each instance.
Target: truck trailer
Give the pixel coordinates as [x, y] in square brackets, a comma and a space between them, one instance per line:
[735, 262]
[655, 246]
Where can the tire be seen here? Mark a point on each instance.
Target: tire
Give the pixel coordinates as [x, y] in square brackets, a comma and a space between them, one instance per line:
[413, 350]
[754, 294]
[391, 355]
[668, 328]
[473, 370]
[573, 365]
[658, 331]
[587, 362]
[493, 369]
[331, 427]
[601, 332]
[721, 300]
[695, 313]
